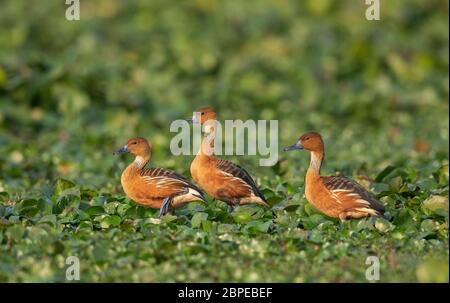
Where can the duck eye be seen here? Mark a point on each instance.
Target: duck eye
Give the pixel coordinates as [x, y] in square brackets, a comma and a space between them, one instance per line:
[202, 114]
[307, 138]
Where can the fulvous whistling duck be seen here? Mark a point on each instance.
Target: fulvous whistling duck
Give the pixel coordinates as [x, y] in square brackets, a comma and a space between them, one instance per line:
[154, 187]
[221, 178]
[337, 197]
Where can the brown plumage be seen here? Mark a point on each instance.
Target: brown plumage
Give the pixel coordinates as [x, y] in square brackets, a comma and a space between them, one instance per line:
[338, 197]
[220, 178]
[154, 187]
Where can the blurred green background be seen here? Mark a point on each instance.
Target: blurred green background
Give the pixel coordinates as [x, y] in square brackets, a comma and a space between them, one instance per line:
[72, 92]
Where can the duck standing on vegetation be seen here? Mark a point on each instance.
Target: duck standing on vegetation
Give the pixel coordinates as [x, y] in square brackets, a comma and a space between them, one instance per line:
[337, 197]
[154, 187]
[221, 178]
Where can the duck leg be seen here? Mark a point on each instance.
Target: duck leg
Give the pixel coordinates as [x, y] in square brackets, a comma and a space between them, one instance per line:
[233, 204]
[167, 201]
[165, 206]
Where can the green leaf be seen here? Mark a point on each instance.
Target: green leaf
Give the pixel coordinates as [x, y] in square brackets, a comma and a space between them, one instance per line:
[48, 219]
[94, 210]
[434, 203]
[135, 212]
[61, 186]
[168, 218]
[383, 225]
[315, 237]
[29, 207]
[384, 173]
[112, 220]
[242, 215]
[428, 225]
[226, 228]
[67, 203]
[262, 226]
[198, 218]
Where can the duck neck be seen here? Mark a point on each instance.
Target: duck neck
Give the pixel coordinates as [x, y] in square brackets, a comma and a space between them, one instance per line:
[140, 161]
[315, 164]
[207, 146]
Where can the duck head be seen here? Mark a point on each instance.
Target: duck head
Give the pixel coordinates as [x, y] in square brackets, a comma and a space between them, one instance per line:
[139, 147]
[310, 141]
[206, 116]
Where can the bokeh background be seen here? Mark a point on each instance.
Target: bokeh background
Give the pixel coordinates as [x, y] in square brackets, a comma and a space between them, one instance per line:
[72, 92]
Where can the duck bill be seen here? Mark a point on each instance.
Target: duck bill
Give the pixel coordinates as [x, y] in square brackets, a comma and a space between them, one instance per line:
[295, 146]
[122, 150]
[195, 118]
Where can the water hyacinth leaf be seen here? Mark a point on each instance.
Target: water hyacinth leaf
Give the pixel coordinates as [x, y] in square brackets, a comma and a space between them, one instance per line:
[382, 225]
[243, 215]
[63, 186]
[68, 202]
[198, 218]
[122, 209]
[434, 203]
[427, 184]
[29, 207]
[48, 219]
[135, 212]
[94, 211]
[256, 227]
[396, 184]
[403, 219]
[428, 225]
[81, 215]
[226, 228]
[167, 218]
[384, 173]
[209, 227]
[291, 207]
[108, 221]
[88, 194]
[110, 207]
[315, 237]
[113, 220]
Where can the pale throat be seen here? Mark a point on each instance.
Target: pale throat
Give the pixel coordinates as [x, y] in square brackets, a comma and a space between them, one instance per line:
[207, 146]
[316, 162]
[141, 161]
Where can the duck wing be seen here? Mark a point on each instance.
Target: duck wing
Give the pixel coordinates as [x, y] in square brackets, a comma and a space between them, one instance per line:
[168, 180]
[352, 195]
[239, 174]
